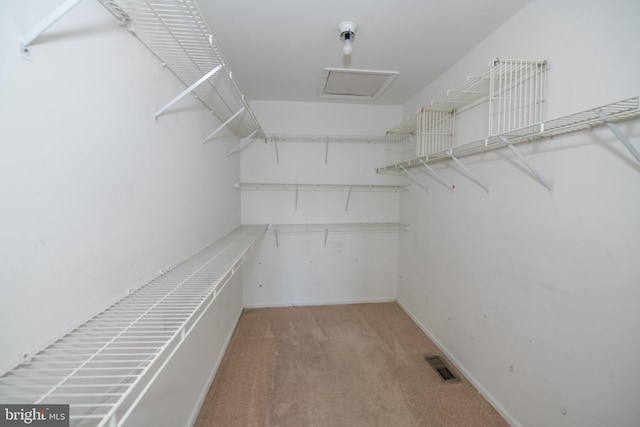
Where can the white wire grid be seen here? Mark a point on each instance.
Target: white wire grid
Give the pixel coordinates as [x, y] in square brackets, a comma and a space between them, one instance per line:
[175, 32]
[359, 227]
[615, 112]
[103, 367]
[517, 94]
[436, 130]
[327, 138]
[254, 186]
[401, 142]
[583, 120]
[515, 90]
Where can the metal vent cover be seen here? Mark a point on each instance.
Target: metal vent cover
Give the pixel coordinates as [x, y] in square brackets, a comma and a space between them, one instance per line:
[346, 83]
[441, 368]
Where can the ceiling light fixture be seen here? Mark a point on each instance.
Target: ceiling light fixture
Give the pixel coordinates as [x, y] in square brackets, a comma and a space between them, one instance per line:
[347, 34]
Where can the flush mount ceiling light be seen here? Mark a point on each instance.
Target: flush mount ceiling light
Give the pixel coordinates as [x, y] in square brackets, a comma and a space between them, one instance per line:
[347, 34]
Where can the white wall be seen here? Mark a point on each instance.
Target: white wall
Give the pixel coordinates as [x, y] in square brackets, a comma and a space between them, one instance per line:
[353, 267]
[96, 196]
[534, 294]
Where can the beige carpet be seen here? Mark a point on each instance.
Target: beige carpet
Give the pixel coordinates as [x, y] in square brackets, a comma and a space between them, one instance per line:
[345, 365]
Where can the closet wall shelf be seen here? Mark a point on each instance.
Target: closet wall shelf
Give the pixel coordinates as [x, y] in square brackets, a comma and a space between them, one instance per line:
[325, 229]
[514, 90]
[348, 188]
[327, 138]
[103, 367]
[177, 34]
[253, 186]
[605, 115]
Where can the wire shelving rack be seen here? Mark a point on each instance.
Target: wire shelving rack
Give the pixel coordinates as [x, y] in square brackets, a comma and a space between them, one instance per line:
[103, 367]
[325, 229]
[177, 34]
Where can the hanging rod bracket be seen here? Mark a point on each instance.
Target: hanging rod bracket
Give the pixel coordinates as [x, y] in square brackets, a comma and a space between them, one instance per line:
[346, 206]
[529, 166]
[326, 152]
[621, 136]
[188, 90]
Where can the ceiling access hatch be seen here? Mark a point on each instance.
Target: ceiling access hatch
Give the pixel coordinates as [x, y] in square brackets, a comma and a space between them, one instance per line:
[346, 83]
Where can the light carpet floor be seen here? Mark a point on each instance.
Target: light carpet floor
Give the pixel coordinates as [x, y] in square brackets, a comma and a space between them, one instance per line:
[340, 365]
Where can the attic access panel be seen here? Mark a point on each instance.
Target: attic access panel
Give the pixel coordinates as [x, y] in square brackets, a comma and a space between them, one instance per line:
[346, 83]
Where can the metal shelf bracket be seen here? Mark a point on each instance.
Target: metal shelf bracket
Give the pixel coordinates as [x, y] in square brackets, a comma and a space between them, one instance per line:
[467, 171]
[241, 146]
[414, 179]
[621, 136]
[188, 90]
[436, 175]
[346, 206]
[43, 26]
[529, 166]
[222, 126]
[326, 152]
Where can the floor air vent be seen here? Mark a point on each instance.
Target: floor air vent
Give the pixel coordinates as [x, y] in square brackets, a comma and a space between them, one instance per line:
[441, 368]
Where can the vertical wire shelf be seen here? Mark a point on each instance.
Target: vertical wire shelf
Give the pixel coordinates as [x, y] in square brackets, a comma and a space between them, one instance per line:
[103, 367]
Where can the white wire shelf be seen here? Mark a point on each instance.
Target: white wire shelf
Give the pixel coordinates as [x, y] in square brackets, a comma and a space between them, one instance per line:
[358, 139]
[348, 188]
[254, 186]
[103, 367]
[497, 80]
[325, 229]
[357, 227]
[406, 129]
[615, 112]
[513, 88]
[177, 34]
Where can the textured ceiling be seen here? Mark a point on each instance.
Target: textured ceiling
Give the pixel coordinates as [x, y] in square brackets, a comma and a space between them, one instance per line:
[278, 49]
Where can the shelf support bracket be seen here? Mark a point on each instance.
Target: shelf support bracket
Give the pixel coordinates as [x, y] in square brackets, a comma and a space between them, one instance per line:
[621, 136]
[275, 144]
[326, 233]
[212, 134]
[240, 146]
[414, 179]
[275, 230]
[346, 206]
[529, 166]
[467, 171]
[188, 90]
[436, 175]
[296, 206]
[326, 152]
[44, 25]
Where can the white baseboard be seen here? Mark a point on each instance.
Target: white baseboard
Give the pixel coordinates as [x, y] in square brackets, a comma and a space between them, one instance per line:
[314, 303]
[498, 407]
[212, 374]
